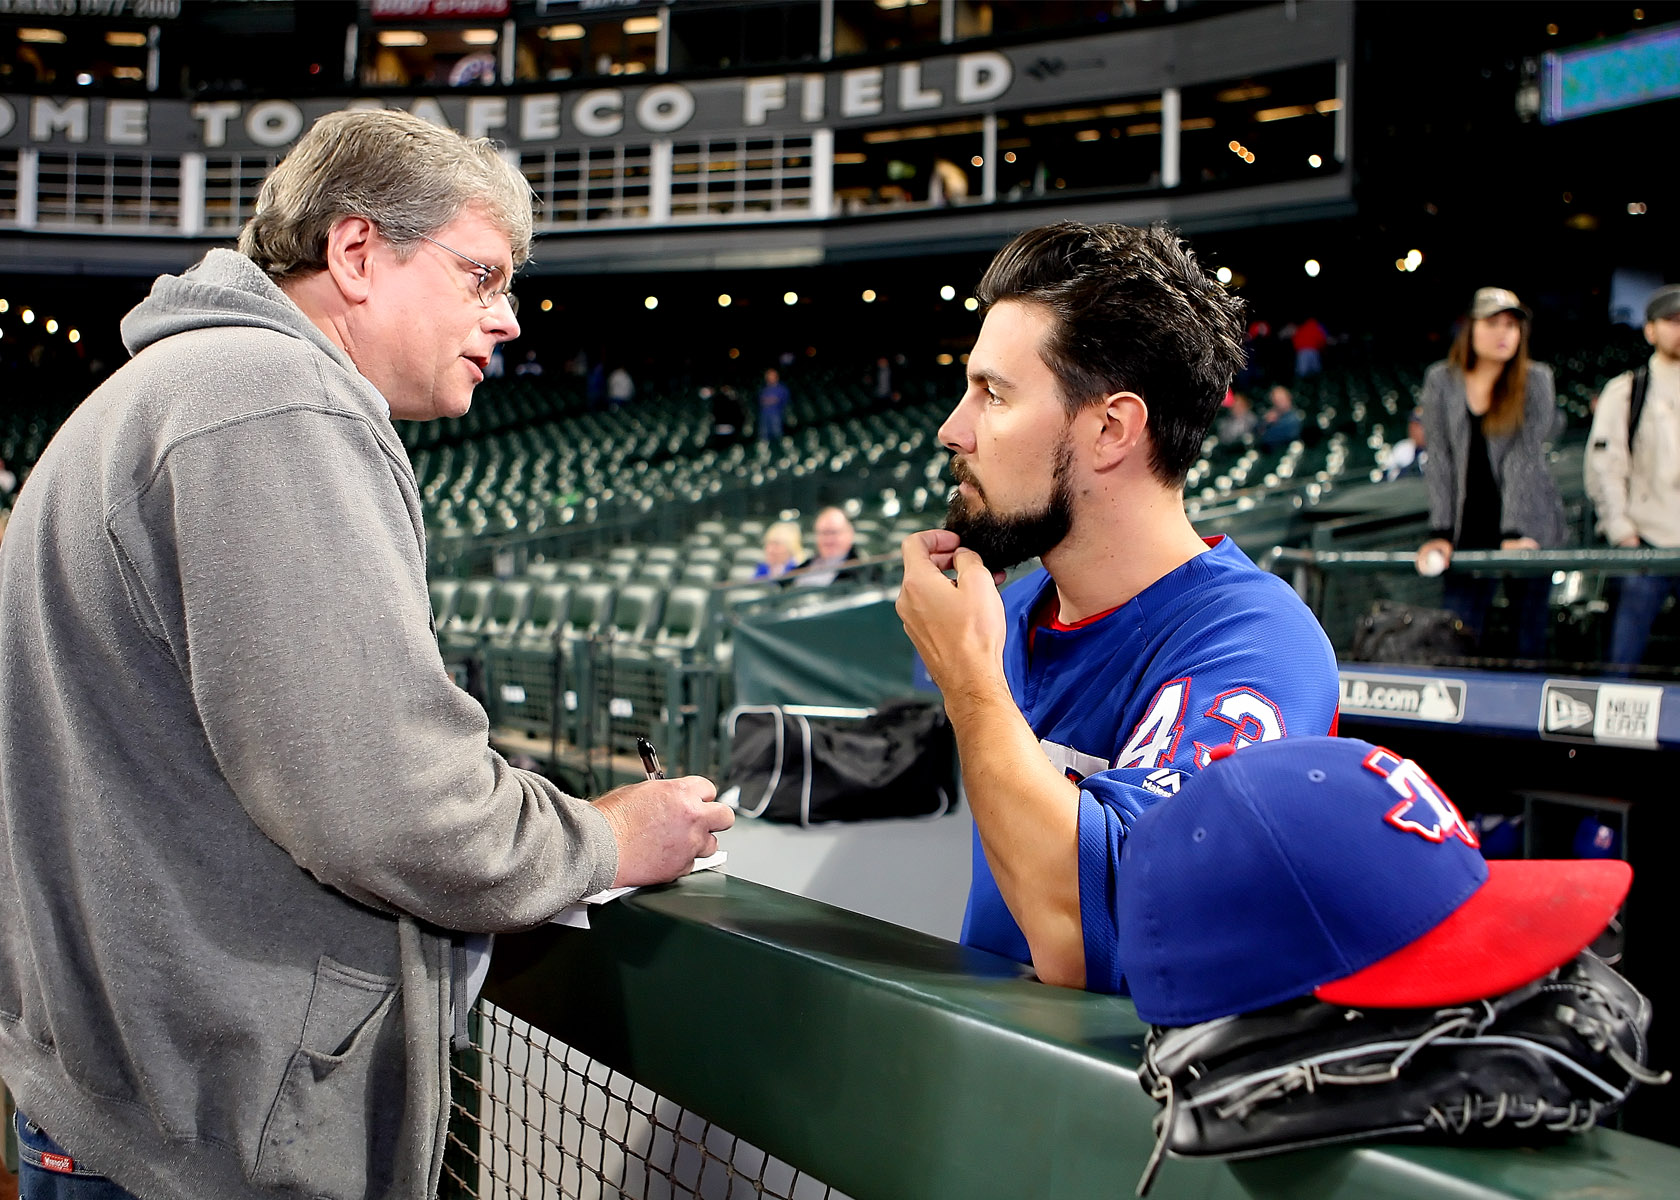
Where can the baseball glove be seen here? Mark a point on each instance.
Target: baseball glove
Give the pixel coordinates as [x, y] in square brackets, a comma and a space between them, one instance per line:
[1551, 1057]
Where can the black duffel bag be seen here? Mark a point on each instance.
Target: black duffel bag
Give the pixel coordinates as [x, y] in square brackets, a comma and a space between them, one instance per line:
[787, 765]
[1393, 632]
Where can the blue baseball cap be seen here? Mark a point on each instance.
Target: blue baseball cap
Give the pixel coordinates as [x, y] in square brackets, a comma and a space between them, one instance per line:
[1334, 868]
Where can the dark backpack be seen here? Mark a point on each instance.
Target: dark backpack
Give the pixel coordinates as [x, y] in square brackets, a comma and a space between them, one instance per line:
[802, 769]
[1405, 633]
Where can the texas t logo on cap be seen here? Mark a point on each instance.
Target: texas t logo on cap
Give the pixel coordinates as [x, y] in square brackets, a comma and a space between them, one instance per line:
[1424, 808]
[1329, 867]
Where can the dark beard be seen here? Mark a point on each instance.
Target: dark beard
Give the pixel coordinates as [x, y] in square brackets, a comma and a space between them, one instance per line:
[1006, 541]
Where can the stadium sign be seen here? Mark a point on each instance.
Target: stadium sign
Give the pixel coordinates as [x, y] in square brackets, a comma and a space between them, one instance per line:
[914, 92]
[1404, 697]
[535, 121]
[1615, 714]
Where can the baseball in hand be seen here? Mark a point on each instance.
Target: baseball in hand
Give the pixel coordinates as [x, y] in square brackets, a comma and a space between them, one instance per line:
[1432, 564]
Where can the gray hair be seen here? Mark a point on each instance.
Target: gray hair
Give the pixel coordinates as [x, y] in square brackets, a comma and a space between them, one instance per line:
[406, 175]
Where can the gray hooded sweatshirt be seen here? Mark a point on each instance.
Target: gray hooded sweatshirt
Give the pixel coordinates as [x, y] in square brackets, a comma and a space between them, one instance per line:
[241, 804]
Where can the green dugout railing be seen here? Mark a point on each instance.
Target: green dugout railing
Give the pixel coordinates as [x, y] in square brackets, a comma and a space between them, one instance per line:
[889, 1064]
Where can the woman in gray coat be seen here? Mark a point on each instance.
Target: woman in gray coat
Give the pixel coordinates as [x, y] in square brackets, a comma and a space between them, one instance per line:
[1488, 413]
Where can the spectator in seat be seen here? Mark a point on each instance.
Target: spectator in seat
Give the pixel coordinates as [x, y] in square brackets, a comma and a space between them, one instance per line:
[255, 839]
[772, 406]
[835, 549]
[783, 549]
[1237, 421]
[1633, 474]
[621, 389]
[1409, 455]
[1488, 412]
[1309, 340]
[1282, 423]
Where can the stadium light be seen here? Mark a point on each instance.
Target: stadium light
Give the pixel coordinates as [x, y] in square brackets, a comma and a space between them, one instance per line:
[43, 37]
[1009, 157]
[1224, 274]
[75, 335]
[28, 316]
[546, 305]
[479, 37]
[1414, 259]
[117, 37]
[4, 305]
[401, 37]
[651, 303]
[944, 360]
[869, 295]
[1636, 208]
[1311, 267]
[637, 25]
[725, 300]
[562, 33]
[972, 304]
[947, 292]
[52, 325]
[1314, 161]
[790, 298]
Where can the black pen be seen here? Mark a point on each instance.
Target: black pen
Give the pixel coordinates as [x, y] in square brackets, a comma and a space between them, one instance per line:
[650, 758]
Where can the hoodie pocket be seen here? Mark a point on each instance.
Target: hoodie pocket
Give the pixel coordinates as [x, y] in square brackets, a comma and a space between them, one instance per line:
[332, 1130]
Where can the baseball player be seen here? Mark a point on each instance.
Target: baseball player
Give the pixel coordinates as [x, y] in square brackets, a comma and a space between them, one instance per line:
[1085, 693]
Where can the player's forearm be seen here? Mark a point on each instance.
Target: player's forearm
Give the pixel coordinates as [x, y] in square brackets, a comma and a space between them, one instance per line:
[1027, 815]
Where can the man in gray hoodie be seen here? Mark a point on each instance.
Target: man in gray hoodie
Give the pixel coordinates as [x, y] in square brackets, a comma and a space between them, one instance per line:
[251, 836]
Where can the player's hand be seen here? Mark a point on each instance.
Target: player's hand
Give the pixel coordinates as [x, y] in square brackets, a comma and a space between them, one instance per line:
[956, 625]
[662, 826]
[1630, 542]
[1519, 543]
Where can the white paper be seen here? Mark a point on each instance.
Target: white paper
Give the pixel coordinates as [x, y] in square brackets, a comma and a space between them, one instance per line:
[577, 916]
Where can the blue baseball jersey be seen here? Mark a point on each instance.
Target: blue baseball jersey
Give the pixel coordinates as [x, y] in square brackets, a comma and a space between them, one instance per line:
[1216, 652]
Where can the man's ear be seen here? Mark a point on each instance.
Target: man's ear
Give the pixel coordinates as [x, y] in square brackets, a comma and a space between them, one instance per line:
[1125, 421]
[350, 246]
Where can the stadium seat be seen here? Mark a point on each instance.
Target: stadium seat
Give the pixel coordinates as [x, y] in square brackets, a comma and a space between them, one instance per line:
[443, 600]
[508, 607]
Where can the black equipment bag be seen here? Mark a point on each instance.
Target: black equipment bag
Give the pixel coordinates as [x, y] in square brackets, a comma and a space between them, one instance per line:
[785, 765]
[1405, 633]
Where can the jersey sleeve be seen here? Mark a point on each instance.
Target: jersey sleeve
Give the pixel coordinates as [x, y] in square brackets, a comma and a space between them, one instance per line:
[1250, 677]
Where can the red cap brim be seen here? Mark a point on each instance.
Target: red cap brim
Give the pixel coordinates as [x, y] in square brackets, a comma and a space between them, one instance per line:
[1530, 917]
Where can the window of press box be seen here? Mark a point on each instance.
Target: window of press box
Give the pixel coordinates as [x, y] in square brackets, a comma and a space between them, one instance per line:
[1106, 146]
[884, 25]
[1260, 129]
[460, 56]
[589, 48]
[916, 166]
[724, 35]
[71, 57]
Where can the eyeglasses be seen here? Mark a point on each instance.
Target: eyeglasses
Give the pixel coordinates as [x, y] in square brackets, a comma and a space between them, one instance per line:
[490, 286]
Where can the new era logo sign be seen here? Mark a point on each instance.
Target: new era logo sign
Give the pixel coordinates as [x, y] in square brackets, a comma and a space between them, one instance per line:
[1618, 714]
[1564, 711]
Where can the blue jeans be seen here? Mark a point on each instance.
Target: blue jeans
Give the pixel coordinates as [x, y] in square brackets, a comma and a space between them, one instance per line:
[770, 424]
[1471, 597]
[1641, 599]
[46, 1172]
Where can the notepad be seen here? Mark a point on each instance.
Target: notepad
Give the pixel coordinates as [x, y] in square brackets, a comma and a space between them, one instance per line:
[577, 916]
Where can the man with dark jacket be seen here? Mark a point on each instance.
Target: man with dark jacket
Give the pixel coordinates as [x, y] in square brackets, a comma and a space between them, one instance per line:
[251, 836]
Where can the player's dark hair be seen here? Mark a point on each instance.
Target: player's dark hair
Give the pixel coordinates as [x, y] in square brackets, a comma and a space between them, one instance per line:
[1131, 310]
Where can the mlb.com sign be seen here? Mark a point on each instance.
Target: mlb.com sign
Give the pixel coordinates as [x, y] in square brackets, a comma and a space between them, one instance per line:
[1407, 697]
